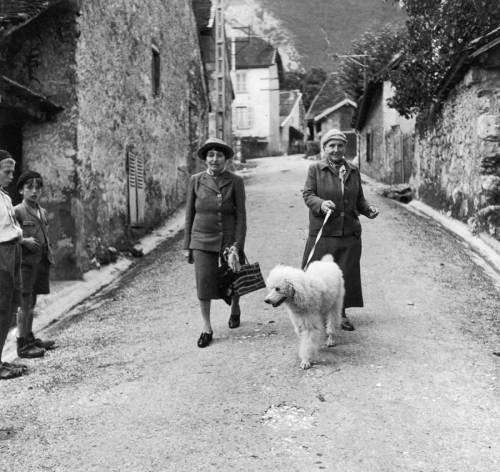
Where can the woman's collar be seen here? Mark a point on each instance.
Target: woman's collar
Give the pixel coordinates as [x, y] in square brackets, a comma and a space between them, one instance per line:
[209, 172]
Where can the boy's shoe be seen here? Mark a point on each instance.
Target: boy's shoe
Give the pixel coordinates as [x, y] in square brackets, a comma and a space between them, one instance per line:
[27, 350]
[49, 344]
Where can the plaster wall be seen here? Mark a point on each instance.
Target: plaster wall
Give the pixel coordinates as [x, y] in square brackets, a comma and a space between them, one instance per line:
[376, 168]
[388, 129]
[264, 106]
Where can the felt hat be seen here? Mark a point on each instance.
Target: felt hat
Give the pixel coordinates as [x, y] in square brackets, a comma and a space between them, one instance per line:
[332, 134]
[214, 143]
[30, 174]
[4, 155]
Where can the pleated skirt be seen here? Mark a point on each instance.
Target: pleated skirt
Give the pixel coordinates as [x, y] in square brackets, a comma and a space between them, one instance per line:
[346, 252]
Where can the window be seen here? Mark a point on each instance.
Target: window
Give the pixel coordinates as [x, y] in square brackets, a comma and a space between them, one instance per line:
[155, 70]
[243, 117]
[369, 147]
[241, 82]
[136, 189]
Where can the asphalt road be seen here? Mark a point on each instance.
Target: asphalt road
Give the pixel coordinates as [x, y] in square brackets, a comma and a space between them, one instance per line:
[414, 388]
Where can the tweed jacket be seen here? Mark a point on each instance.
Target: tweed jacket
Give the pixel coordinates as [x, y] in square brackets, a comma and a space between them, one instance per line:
[34, 227]
[215, 212]
[322, 184]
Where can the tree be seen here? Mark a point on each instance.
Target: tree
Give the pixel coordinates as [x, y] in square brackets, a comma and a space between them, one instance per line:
[380, 49]
[437, 33]
[309, 83]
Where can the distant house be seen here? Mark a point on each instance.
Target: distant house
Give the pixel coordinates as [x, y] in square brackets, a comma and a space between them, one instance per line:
[293, 126]
[330, 109]
[108, 101]
[256, 73]
[386, 139]
[457, 159]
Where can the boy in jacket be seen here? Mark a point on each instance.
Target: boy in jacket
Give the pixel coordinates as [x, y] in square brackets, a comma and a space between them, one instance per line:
[36, 261]
[10, 264]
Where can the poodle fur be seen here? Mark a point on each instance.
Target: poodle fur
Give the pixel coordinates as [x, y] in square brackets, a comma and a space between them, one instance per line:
[314, 300]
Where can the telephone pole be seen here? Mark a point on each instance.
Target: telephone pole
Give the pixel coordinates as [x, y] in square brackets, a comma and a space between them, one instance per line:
[220, 65]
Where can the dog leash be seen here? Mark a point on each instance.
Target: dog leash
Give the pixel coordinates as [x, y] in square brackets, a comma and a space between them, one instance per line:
[328, 213]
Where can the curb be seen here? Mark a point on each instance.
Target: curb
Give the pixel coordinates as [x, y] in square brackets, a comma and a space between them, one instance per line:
[483, 245]
[57, 305]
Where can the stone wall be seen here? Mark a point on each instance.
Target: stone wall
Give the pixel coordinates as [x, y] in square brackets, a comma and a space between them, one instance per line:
[95, 58]
[457, 154]
[41, 56]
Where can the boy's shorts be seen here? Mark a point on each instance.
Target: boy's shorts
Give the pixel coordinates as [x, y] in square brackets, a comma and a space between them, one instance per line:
[10, 275]
[35, 276]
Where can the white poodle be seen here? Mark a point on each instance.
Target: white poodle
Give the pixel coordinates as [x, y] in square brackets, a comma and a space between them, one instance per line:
[314, 300]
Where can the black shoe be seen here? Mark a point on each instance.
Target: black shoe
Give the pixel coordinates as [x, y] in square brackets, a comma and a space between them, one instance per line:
[40, 343]
[346, 325]
[27, 350]
[205, 339]
[234, 321]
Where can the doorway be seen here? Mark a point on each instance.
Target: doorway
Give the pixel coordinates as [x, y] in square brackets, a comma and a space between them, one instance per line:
[11, 140]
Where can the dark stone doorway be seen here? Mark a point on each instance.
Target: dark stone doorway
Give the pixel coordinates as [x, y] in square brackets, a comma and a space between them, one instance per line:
[11, 140]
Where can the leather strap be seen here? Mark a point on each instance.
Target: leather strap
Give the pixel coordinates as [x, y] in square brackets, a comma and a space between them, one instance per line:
[328, 213]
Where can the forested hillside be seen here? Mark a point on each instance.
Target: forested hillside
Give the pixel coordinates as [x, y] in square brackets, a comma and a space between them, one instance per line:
[317, 28]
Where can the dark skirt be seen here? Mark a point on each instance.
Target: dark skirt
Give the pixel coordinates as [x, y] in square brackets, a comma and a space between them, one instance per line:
[346, 252]
[205, 266]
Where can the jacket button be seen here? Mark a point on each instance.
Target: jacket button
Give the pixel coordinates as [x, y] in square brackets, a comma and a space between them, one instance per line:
[219, 195]
[220, 223]
[220, 234]
[345, 201]
[342, 214]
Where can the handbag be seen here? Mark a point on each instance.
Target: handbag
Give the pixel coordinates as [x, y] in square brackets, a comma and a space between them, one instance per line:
[225, 279]
[248, 279]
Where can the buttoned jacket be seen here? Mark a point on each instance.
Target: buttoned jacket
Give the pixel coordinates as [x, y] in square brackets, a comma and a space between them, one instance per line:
[215, 212]
[36, 227]
[323, 183]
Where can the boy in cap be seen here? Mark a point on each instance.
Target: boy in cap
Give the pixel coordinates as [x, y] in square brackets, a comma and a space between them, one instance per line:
[11, 235]
[36, 261]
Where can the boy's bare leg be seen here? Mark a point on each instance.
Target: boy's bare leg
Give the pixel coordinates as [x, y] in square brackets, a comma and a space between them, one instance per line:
[23, 316]
[44, 344]
[25, 345]
[8, 370]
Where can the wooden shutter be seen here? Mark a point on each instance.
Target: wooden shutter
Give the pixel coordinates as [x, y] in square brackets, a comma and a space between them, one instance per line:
[136, 189]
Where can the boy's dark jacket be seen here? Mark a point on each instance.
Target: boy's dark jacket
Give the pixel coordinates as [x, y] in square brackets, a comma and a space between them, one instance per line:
[34, 227]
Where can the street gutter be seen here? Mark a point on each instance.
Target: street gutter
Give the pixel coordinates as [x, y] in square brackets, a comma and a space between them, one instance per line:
[56, 306]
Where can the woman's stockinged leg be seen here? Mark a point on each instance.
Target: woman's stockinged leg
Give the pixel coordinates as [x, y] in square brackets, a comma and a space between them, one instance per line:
[235, 306]
[205, 315]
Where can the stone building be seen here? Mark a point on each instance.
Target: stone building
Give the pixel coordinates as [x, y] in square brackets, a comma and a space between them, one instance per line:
[108, 100]
[386, 139]
[332, 108]
[457, 153]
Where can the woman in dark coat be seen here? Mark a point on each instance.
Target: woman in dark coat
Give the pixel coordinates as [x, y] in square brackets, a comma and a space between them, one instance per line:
[215, 221]
[335, 184]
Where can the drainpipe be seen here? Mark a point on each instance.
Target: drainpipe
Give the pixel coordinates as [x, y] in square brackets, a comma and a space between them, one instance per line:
[233, 54]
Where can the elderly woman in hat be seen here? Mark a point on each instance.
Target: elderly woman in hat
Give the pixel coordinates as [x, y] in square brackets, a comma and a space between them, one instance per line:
[335, 184]
[215, 222]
